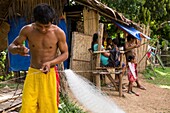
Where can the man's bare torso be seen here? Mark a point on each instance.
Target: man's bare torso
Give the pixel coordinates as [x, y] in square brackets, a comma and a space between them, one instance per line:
[43, 46]
[130, 52]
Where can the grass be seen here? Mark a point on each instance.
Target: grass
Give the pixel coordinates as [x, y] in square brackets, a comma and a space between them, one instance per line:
[162, 77]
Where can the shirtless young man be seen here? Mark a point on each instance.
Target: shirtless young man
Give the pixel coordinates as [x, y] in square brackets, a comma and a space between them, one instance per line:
[44, 38]
[130, 51]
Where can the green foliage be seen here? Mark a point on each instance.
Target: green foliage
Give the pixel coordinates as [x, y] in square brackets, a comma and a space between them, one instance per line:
[2, 65]
[162, 77]
[3, 74]
[149, 12]
[111, 30]
[158, 8]
[66, 106]
[2, 59]
[164, 31]
[129, 8]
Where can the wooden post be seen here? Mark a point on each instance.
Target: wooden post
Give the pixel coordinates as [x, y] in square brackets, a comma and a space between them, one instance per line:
[100, 35]
[120, 84]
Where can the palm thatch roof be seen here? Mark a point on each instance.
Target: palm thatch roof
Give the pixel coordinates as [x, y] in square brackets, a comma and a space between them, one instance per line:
[107, 12]
[14, 8]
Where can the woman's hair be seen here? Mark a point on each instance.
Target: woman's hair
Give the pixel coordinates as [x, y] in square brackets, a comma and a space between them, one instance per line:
[95, 38]
[108, 40]
[44, 13]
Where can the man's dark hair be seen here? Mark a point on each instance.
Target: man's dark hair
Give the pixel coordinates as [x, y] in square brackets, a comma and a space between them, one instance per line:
[130, 37]
[115, 41]
[130, 58]
[44, 13]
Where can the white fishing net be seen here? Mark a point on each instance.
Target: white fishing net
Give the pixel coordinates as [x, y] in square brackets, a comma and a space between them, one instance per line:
[89, 96]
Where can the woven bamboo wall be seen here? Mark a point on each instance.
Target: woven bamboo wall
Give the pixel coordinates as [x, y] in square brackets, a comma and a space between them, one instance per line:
[91, 21]
[141, 51]
[80, 56]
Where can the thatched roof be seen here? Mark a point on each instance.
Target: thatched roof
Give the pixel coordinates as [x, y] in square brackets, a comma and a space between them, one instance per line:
[107, 12]
[4, 5]
[13, 8]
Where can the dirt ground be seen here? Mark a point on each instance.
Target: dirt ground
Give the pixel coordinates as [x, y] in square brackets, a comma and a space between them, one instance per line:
[152, 100]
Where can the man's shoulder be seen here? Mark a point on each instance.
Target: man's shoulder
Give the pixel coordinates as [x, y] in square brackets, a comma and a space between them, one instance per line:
[57, 29]
[27, 27]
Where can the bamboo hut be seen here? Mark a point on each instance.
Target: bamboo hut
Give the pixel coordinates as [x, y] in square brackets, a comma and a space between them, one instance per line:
[82, 21]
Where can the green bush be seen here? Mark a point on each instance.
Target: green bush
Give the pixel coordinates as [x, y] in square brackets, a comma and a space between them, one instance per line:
[66, 106]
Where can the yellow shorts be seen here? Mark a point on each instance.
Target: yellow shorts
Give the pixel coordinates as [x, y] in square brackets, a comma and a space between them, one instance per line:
[40, 92]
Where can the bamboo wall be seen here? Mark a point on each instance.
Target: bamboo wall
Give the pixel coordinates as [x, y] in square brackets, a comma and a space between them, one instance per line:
[91, 21]
[80, 56]
[141, 51]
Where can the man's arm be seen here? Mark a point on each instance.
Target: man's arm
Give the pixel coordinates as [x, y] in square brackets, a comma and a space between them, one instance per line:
[106, 53]
[16, 47]
[62, 45]
[128, 48]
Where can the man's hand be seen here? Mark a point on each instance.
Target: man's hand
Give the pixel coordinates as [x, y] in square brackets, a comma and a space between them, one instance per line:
[138, 45]
[45, 67]
[22, 50]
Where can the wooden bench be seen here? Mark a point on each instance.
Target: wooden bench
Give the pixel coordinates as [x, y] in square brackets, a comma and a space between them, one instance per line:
[105, 71]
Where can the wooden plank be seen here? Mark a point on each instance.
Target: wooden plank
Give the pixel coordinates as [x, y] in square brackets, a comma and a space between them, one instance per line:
[9, 101]
[112, 81]
[81, 60]
[7, 107]
[106, 73]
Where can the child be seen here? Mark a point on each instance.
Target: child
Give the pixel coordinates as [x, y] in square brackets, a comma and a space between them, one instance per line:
[117, 58]
[132, 73]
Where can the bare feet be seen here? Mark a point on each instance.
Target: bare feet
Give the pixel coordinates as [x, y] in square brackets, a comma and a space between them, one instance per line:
[137, 94]
[132, 92]
[141, 87]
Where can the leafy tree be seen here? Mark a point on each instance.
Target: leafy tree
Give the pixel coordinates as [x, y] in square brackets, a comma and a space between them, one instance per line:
[129, 8]
[149, 12]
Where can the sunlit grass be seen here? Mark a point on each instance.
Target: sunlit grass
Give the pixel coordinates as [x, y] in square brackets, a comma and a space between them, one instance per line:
[162, 77]
[163, 86]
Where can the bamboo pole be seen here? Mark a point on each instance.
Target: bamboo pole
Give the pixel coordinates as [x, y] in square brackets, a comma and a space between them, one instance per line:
[100, 35]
